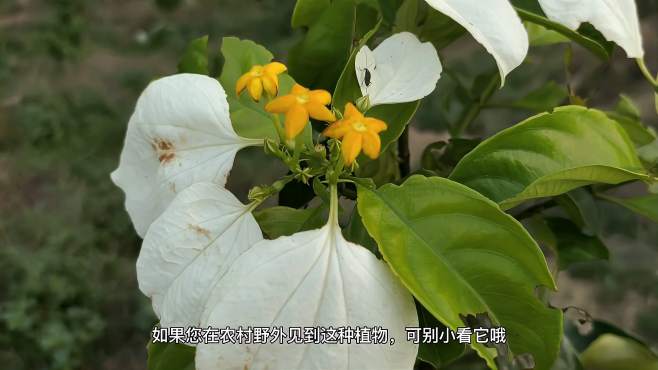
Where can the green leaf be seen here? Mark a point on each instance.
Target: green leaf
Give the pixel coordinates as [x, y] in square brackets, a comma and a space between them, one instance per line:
[442, 157]
[627, 114]
[646, 206]
[541, 36]
[195, 57]
[436, 354]
[382, 170]
[573, 246]
[460, 255]
[586, 37]
[249, 118]
[582, 209]
[613, 352]
[306, 12]
[389, 9]
[406, 18]
[170, 356]
[318, 59]
[439, 29]
[356, 233]
[543, 99]
[550, 154]
[282, 221]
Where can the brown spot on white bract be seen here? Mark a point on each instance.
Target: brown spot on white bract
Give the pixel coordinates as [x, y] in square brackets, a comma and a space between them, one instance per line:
[200, 230]
[164, 149]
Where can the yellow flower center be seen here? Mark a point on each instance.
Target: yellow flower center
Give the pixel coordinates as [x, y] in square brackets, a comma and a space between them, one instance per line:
[302, 99]
[359, 126]
[257, 71]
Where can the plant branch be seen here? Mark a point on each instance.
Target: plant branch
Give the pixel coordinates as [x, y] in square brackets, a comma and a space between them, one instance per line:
[474, 110]
[537, 208]
[647, 74]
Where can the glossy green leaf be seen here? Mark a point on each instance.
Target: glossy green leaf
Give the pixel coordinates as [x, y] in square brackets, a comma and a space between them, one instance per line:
[306, 12]
[460, 255]
[573, 246]
[613, 352]
[646, 206]
[627, 114]
[170, 356]
[356, 233]
[550, 154]
[249, 118]
[382, 170]
[195, 57]
[283, 221]
[529, 11]
[318, 59]
[442, 157]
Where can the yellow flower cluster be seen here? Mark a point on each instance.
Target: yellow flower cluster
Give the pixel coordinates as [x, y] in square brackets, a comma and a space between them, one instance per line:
[355, 131]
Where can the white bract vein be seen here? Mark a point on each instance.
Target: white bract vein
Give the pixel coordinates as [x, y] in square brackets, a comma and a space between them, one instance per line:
[179, 134]
[312, 278]
[617, 20]
[190, 247]
[494, 24]
[401, 69]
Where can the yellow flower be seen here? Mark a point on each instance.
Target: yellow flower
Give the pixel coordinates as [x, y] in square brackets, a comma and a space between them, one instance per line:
[259, 78]
[299, 105]
[357, 132]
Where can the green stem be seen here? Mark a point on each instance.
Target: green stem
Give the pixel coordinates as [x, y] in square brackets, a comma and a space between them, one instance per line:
[333, 205]
[278, 127]
[474, 110]
[646, 73]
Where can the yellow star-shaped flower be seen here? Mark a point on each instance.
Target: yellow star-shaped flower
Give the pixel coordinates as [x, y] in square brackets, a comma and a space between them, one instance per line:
[261, 77]
[299, 105]
[356, 133]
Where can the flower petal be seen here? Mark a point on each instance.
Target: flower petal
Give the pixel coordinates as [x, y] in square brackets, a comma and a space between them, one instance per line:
[337, 130]
[275, 68]
[270, 84]
[242, 83]
[495, 25]
[351, 111]
[617, 20]
[282, 104]
[401, 69]
[319, 112]
[310, 279]
[296, 120]
[351, 146]
[374, 124]
[372, 144]
[298, 89]
[322, 97]
[255, 88]
[189, 247]
[179, 134]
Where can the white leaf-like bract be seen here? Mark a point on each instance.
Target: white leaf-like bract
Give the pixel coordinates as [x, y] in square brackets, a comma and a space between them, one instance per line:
[617, 20]
[179, 134]
[190, 247]
[401, 69]
[311, 279]
[494, 24]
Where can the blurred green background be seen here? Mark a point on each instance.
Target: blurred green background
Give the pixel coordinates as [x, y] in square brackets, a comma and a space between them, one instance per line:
[70, 73]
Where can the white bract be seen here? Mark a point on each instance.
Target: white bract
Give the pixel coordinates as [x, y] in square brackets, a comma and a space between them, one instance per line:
[190, 247]
[312, 278]
[179, 134]
[617, 20]
[401, 69]
[494, 24]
